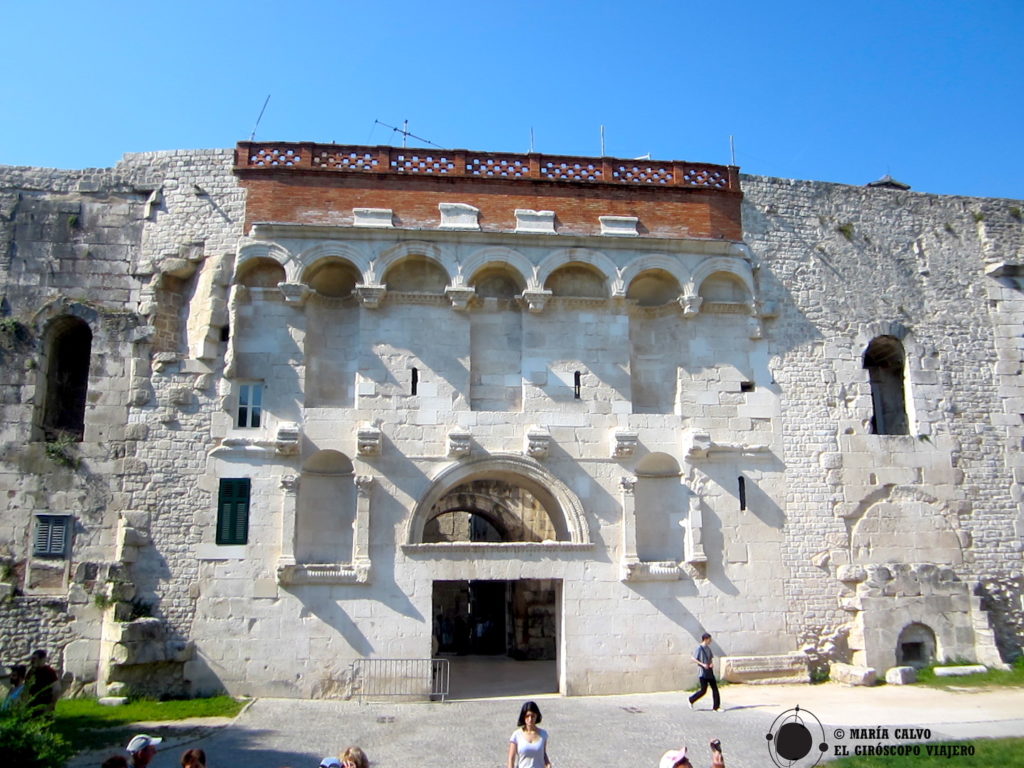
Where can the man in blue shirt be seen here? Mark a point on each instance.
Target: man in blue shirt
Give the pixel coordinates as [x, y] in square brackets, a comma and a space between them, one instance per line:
[704, 658]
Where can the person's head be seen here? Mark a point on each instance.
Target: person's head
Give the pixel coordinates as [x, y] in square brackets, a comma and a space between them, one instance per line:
[142, 748]
[354, 757]
[193, 758]
[528, 708]
[705, 638]
[18, 672]
[115, 761]
[38, 658]
[674, 758]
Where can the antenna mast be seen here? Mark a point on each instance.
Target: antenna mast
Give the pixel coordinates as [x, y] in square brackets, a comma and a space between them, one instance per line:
[252, 136]
[404, 130]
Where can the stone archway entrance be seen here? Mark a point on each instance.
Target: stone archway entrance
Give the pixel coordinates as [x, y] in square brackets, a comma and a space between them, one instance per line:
[500, 635]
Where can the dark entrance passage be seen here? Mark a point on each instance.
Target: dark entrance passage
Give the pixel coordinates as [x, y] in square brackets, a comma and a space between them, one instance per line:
[501, 636]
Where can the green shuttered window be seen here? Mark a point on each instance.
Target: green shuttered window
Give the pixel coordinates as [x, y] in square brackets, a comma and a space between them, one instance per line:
[233, 510]
[51, 535]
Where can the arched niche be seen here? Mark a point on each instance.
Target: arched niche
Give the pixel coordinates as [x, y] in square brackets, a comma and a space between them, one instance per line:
[325, 510]
[332, 277]
[67, 350]
[416, 274]
[724, 288]
[497, 281]
[260, 272]
[561, 505]
[654, 288]
[488, 509]
[577, 280]
[661, 503]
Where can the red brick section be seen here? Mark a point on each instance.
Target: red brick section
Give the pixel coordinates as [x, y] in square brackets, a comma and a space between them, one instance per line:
[302, 194]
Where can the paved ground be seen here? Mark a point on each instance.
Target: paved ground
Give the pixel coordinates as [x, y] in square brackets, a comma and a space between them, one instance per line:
[586, 732]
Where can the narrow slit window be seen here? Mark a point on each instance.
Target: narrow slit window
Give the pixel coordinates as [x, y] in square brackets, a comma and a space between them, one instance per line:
[576, 379]
[415, 380]
[746, 386]
[250, 405]
[742, 483]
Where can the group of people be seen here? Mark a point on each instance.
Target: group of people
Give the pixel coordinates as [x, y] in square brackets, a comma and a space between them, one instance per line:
[39, 686]
[143, 748]
[35, 686]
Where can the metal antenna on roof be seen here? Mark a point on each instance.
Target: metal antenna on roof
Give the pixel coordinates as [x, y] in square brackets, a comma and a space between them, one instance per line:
[406, 134]
[732, 149]
[602, 141]
[252, 136]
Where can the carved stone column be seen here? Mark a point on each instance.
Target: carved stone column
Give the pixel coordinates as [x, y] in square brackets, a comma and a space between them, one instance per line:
[693, 543]
[289, 499]
[361, 527]
[627, 485]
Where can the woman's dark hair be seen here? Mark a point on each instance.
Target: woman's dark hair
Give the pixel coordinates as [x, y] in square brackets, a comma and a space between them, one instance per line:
[193, 758]
[529, 706]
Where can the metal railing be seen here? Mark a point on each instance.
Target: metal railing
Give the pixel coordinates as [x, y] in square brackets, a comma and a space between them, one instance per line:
[415, 678]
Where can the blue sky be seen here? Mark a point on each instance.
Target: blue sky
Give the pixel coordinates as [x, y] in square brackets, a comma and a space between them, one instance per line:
[929, 92]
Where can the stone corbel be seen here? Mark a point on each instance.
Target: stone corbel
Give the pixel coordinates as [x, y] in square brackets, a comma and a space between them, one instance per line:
[538, 443]
[460, 296]
[754, 328]
[370, 296]
[459, 443]
[294, 293]
[624, 443]
[287, 441]
[369, 440]
[536, 300]
[691, 305]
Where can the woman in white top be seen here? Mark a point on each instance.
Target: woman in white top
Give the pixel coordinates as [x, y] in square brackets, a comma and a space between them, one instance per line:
[528, 747]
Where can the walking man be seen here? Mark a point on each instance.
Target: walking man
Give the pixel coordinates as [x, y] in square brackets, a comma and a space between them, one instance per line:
[704, 658]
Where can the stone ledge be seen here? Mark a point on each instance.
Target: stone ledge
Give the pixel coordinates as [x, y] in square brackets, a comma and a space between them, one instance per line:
[761, 670]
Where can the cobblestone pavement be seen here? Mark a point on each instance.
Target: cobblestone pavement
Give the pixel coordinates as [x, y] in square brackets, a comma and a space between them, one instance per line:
[631, 730]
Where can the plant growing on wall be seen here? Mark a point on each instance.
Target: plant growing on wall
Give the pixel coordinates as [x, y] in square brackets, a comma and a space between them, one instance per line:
[60, 450]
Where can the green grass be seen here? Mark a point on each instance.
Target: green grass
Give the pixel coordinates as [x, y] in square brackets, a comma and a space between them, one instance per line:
[1004, 753]
[89, 725]
[1010, 677]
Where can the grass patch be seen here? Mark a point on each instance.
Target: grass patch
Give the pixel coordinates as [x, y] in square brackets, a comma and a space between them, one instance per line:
[999, 677]
[89, 725]
[1005, 753]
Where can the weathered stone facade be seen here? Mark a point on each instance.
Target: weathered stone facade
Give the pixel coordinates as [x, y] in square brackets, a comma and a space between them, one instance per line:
[334, 400]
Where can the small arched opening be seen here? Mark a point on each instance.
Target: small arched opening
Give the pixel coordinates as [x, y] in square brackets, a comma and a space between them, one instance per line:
[68, 354]
[916, 646]
[884, 361]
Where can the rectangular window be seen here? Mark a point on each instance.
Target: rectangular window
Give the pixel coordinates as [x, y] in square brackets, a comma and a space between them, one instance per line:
[250, 404]
[233, 510]
[51, 535]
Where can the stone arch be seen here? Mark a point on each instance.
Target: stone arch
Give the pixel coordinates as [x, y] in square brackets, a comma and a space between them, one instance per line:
[344, 252]
[500, 281]
[655, 262]
[654, 288]
[490, 257]
[332, 276]
[325, 509]
[562, 505]
[380, 266]
[256, 262]
[718, 268]
[463, 508]
[905, 527]
[595, 259]
[577, 279]
[64, 370]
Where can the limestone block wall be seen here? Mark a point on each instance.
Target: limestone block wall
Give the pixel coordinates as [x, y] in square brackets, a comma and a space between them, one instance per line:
[918, 264]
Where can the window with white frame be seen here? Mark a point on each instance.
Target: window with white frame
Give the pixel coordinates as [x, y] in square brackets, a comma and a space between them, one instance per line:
[250, 404]
[51, 538]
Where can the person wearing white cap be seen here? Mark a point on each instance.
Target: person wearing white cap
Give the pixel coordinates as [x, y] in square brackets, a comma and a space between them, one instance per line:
[330, 762]
[142, 748]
